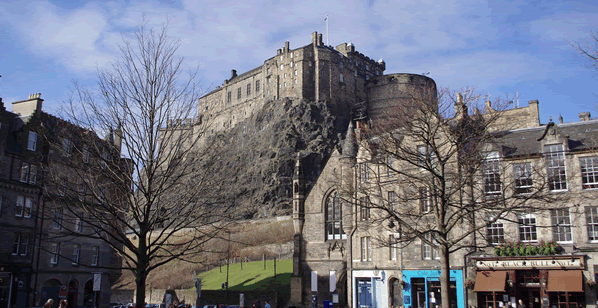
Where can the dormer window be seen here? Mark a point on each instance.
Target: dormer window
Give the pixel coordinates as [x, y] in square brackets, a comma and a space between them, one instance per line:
[32, 141]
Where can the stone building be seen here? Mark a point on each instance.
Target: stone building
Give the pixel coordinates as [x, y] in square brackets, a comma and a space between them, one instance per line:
[339, 257]
[48, 249]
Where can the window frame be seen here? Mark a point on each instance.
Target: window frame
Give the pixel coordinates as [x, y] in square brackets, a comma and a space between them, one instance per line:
[20, 206]
[426, 200]
[491, 174]
[528, 232]
[248, 89]
[523, 178]
[364, 209]
[556, 171]
[257, 87]
[95, 255]
[334, 217]
[560, 229]
[591, 214]
[429, 252]
[364, 172]
[66, 146]
[366, 249]
[76, 254]
[27, 207]
[495, 230]
[24, 247]
[54, 253]
[57, 222]
[585, 163]
[32, 142]
[16, 243]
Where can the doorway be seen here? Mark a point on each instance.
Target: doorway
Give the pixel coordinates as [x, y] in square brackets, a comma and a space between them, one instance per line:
[364, 293]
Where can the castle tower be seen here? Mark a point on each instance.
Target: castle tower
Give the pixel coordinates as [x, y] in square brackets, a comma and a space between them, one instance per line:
[298, 219]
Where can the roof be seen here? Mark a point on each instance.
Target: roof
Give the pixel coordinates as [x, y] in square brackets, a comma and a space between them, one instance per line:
[527, 141]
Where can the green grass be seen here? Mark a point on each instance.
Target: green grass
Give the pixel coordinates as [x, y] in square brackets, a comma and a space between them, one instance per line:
[251, 277]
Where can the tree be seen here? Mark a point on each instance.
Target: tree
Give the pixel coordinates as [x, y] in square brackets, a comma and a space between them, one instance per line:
[435, 174]
[152, 189]
[589, 48]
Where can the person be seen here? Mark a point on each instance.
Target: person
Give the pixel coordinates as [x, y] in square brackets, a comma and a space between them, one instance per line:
[49, 303]
[62, 303]
[521, 304]
[258, 305]
[267, 305]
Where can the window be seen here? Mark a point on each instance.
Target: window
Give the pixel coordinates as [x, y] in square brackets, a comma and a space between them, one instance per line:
[281, 58]
[28, 173]
[555, 167]
[62, 187]
[389, 166]
[55, 252]
[355, 73]
[257, 86]
[85, 154]
[364, 205]
[0, 204]
[82, 191]
[592, 222]
[229, 97]
[427, 252]
[28, 206]
[309, 63]
[392, 199]
[285, 75]
[527, 228]
[340, 65]
[78, 225]
[295, 72]
[367, 67]
[393, 243]
[76, 254]
[291, 64]
[491, 174]
[268, 71]
[285, 84]
[295, 81]
[589, 172]
[334, 223]
[427, 157]
[20, 206]
[248, 89]
[24, 244]
[496, 232]
[366, 249]
[281, 67]
[364, 171]
[32, 141]
[291, 55]
[342, 79]
[66, 146]
[425, 200]
[239, 93]
[95, 254]
[101, 194]
[561, 225]
[105, 158]
[58, 219]
[16, 244]
[523, 178]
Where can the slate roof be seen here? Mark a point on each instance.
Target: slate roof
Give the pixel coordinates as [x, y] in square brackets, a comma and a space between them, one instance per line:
[521, 142]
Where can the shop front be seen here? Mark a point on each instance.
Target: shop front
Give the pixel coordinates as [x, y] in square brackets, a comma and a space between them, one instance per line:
[422, 289]
[539, 282]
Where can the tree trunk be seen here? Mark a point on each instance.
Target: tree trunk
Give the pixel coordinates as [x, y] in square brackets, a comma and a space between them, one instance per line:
[141, 273]
[444, 276]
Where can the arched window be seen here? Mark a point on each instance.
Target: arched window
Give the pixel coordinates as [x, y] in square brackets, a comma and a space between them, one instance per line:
[334, 223]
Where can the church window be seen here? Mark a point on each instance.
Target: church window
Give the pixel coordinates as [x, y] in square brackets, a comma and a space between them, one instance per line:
[257, 86]
[334, 223]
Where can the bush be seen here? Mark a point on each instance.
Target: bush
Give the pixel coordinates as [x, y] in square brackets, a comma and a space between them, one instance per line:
[524, 249]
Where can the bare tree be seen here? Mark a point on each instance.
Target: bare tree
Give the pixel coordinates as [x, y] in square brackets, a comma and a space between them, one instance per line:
[588, 48]
[431, 170]
[151, 189]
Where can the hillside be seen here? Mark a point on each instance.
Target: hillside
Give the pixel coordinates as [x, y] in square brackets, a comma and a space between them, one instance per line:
[263, 149]
[250, 276]
[250, 240]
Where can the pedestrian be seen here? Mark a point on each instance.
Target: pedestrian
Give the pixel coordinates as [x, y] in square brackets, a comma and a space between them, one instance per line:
[49, 303]
[62, 303]
[267, 305]
[521, 304]
[258, 305]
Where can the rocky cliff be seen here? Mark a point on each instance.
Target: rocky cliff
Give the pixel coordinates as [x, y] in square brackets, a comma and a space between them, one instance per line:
[264, 147]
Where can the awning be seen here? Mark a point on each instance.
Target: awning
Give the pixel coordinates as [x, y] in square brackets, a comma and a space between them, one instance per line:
[488, 281]
[565, 281]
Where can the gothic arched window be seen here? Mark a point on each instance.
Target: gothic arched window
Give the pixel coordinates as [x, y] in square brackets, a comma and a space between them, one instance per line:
[334, 223]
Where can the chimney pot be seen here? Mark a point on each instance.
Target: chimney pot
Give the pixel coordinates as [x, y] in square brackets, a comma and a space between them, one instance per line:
[584, 116]
[233, 74]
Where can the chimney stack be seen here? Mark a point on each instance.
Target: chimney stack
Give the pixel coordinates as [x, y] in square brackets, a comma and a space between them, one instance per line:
[233, 74]
[29, 106]
[584, 116]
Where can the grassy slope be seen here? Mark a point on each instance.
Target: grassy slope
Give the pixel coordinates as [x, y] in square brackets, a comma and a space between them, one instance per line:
[251, 277]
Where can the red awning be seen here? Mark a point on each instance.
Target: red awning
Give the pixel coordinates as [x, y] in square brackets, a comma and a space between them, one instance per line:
[565, 281]
[488, 281]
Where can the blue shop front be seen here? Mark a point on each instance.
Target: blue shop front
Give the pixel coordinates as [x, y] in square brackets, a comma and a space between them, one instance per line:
[422, 289]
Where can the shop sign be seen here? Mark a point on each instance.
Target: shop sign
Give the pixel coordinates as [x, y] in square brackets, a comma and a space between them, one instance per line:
[62, 293]
[569, 263]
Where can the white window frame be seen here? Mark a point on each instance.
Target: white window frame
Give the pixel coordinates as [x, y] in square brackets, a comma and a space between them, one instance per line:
[528, 229]
[491, 174]
[95, 255]
[24, 172]
[76, 254]
[392, 200]
[32, 141]
[28, 207]
[32, 174]
[555, 167]
[522, 173]
[78, 225]
[591, 213]
[495, 232]
[589, 172]
[54, 253]
[393, 249]
[429, 253]
[366, 249]
[364, 208]
[561, 225]
[364, 172]
[20, 206]
[426, 200]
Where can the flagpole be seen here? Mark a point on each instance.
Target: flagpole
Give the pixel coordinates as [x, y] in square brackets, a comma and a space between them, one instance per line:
[327, 30]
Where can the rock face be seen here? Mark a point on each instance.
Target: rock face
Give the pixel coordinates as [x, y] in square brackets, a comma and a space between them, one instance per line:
[264, 148]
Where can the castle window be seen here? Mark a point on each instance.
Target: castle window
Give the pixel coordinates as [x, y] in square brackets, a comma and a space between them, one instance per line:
[355, 73]
[285, 84]
[281, 67]
[295, 72]
[257, 86]
[341, 78]
[291, 55]
[248, 89]
[239, 93]
[340, 65]
[268, 71]
[281, 58]
[334, 224]
[229, 97]
[291, 64]
[295, 81]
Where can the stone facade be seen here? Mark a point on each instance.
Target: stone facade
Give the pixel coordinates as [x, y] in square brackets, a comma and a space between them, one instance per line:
[41, 257]
[341, 259]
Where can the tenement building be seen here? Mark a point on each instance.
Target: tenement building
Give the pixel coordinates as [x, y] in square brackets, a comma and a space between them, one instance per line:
[47, 249]
[522, 225]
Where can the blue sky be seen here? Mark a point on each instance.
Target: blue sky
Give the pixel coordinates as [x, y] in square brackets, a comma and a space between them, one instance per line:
[498, 47]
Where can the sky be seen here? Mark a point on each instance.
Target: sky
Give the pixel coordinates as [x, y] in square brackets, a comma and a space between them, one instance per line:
[517, 48]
